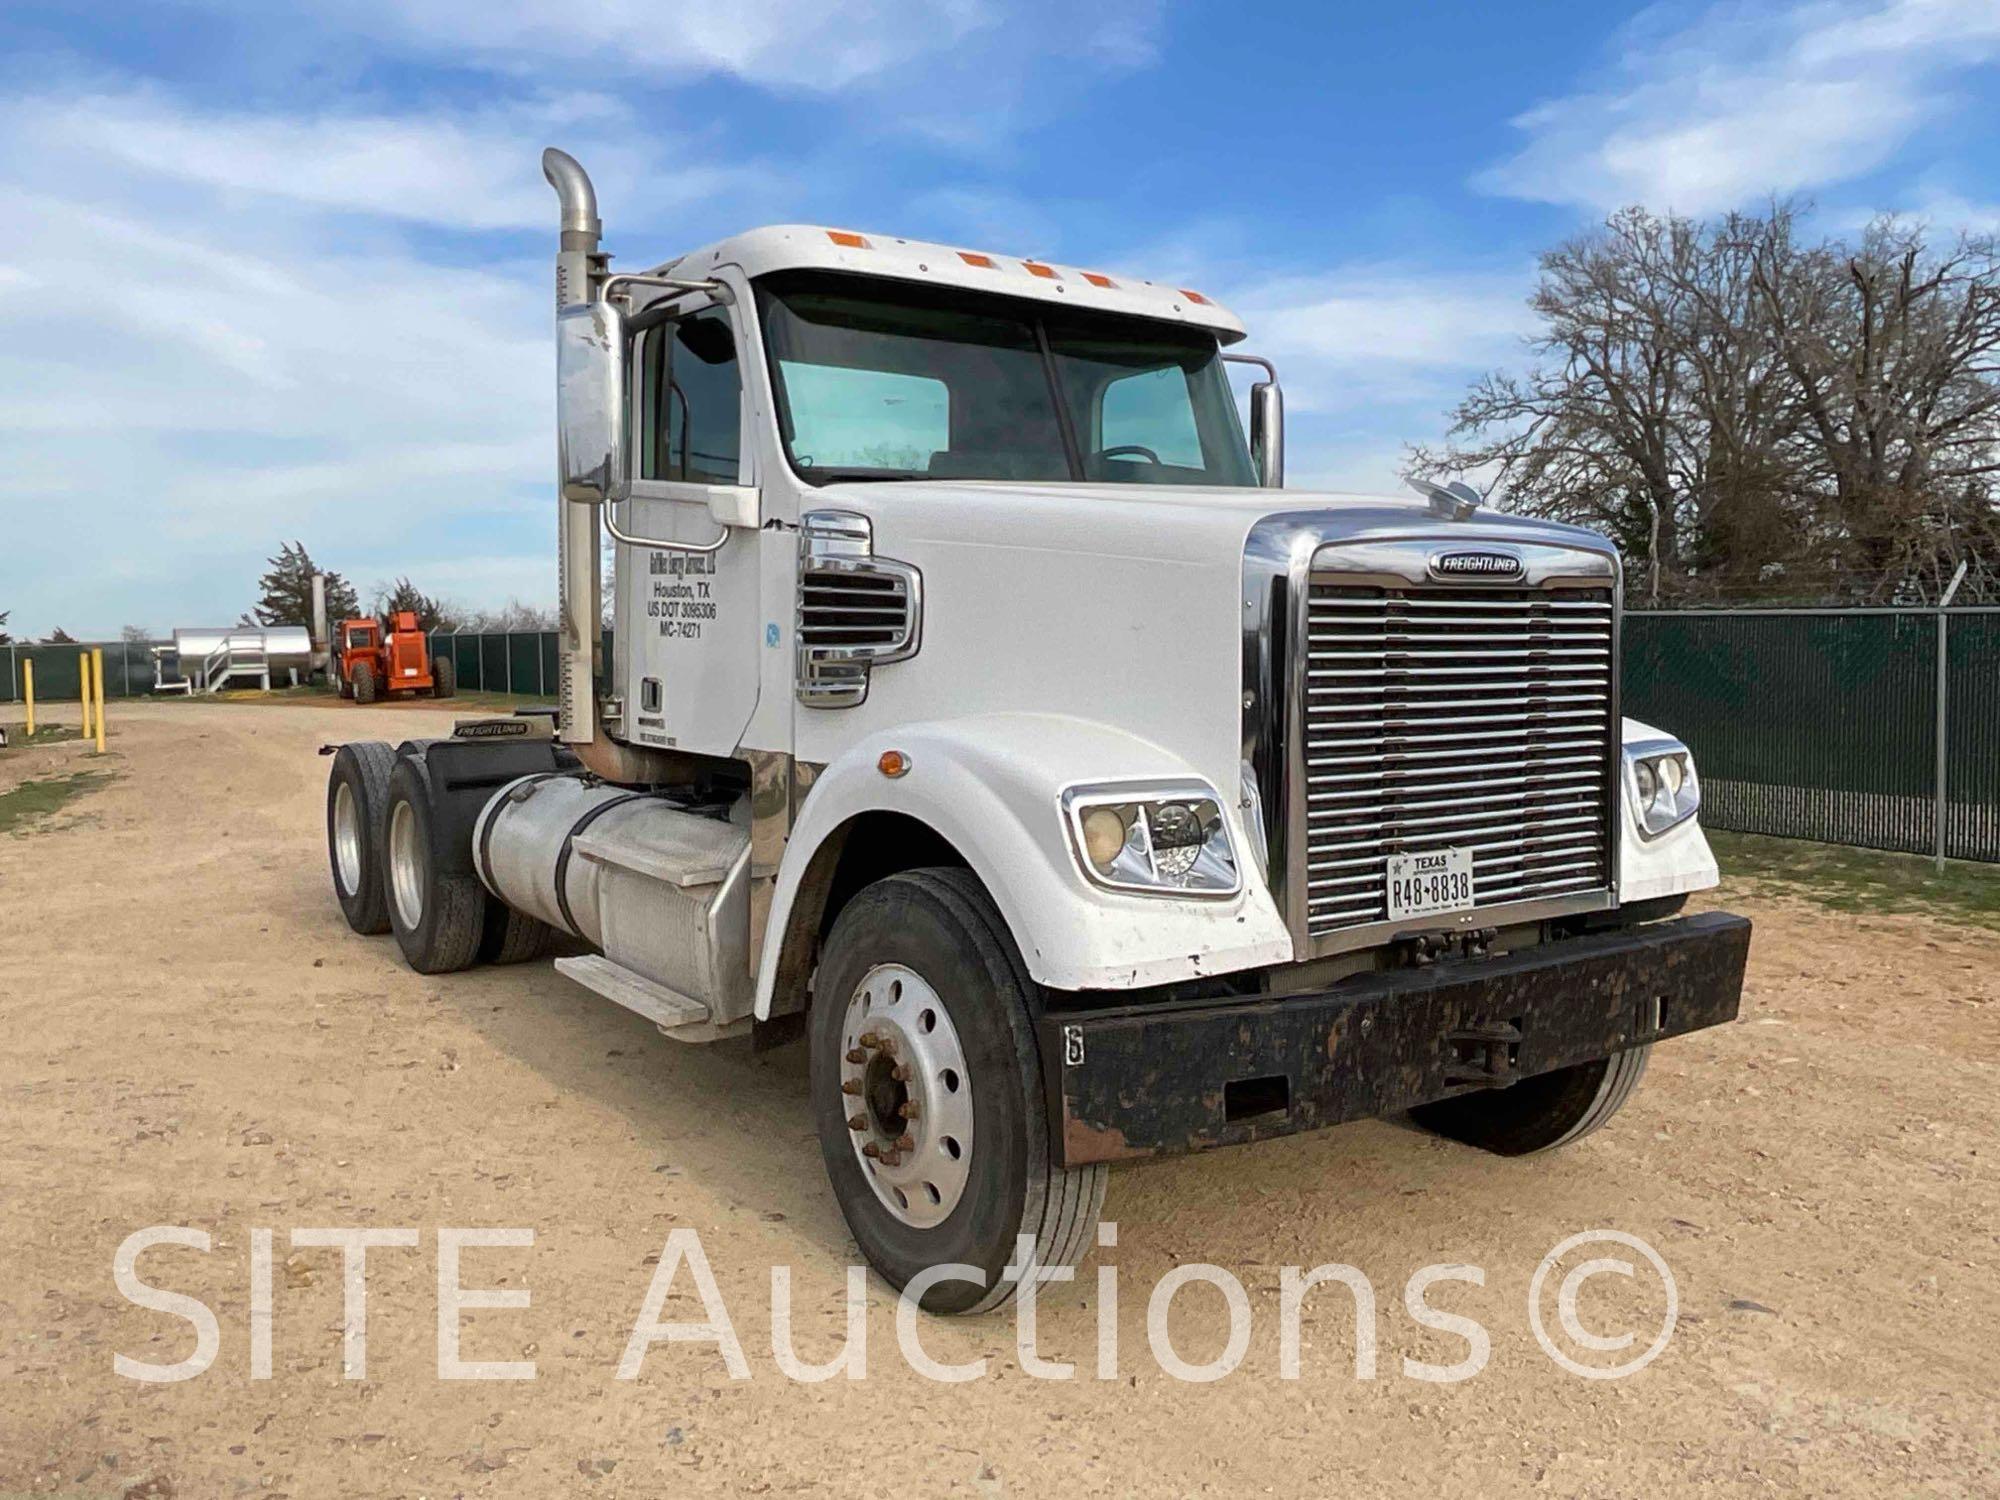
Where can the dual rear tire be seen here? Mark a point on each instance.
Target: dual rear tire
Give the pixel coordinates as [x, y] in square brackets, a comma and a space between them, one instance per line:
[392, 873]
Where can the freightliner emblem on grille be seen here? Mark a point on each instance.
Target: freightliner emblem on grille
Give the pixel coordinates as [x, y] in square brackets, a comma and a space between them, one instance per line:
[1499, 566]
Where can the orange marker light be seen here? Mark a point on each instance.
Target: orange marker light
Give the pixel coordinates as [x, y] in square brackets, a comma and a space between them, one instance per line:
[893, 763]
[974, 258]
[845, 237]
[1194, 296]
[1096, 280]
[1036, 268]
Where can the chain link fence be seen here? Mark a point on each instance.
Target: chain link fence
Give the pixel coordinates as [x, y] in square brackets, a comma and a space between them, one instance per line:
[1833, 725]
[128, 670]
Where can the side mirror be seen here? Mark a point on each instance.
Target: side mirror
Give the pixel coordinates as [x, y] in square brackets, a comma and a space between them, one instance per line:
[1267, 433]
[1267, 421]
[590, 403]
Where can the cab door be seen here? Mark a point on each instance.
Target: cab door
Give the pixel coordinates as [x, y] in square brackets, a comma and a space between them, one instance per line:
[687, 623]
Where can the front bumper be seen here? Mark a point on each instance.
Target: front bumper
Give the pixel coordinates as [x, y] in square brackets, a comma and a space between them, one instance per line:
[1147, 1081]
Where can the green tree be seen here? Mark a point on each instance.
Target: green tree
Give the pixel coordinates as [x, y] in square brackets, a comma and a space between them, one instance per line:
[58, 637]
[432, 613]
[286, 591]
[5, 639]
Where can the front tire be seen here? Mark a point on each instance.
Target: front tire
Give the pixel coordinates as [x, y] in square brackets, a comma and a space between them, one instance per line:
[364, 683]
[438, 919]
[921, 977]
[444, 677]
[1540, 1113]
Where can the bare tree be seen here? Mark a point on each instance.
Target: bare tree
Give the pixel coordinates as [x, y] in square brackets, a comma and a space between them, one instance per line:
[1741, 412]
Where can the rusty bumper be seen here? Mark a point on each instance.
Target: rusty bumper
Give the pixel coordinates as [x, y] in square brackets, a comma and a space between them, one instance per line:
[1150, 1081]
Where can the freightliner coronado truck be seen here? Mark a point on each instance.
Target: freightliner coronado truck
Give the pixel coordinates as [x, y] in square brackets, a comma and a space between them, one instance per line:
[983, 709]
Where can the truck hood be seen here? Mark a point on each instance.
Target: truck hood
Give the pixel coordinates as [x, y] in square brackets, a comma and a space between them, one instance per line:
[1167, 521]
[1121, 605]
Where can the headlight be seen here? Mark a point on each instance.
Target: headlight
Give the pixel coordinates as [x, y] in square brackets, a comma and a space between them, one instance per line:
[1167, 838]
[1662, 784]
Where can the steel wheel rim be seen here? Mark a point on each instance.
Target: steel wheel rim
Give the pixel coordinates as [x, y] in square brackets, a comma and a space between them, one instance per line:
[894, 1020]
[406, 866]
[347, 839]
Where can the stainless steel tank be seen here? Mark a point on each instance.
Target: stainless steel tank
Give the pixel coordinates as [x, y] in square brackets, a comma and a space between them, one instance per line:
[285, 646]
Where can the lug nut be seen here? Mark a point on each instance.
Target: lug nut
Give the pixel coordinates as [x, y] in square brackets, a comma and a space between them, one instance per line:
[869, 1039]
[892, 1158]
[870, 1149]
[850, 1085]
[857, 1123]
[906, 1143]
[856, 1055]
[913, 1109]
[900, 1073]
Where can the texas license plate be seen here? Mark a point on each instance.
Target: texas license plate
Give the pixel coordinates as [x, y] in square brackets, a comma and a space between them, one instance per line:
[1423, 885]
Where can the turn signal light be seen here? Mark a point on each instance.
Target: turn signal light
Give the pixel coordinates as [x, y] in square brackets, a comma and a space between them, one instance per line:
[893, 763]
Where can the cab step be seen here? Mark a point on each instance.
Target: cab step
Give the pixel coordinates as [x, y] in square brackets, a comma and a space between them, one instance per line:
[677, 1016]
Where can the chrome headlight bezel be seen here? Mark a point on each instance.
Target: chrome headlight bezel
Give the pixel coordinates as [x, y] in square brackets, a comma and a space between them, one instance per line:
[1662, 808]
[1214, 872]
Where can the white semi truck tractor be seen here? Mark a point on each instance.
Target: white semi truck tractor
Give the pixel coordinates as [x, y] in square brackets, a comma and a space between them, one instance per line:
[984, 710]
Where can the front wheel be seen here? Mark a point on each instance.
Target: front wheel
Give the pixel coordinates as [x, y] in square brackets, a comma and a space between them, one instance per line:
[364, 683]
[928, 1096]
[1540, 1113]
[444, 677]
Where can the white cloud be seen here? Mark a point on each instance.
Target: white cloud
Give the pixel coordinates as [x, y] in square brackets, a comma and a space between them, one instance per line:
[474, 170]
[967, 73]
[1373, 357]
[1747, 100]
[814, 46]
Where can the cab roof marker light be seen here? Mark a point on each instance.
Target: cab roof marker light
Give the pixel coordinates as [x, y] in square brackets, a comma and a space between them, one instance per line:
[848, 238]
[1036, 268]
[1095, 279]
[974, 258]
[1195, 297]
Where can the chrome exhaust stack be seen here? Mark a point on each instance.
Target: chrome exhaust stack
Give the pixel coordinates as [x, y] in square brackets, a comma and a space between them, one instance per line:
[579, 586]
[580, 267]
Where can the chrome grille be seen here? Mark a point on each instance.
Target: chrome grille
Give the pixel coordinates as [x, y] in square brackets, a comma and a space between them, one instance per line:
[1469, 717]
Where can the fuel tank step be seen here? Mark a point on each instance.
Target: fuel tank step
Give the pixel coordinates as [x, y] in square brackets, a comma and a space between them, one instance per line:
[665, 1008]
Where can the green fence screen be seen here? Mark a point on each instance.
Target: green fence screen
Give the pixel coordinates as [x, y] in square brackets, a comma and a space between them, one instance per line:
[1823, 725]
[1805, 724]
[128, 670]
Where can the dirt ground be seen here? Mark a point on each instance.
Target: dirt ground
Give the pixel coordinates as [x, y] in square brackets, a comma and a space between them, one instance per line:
[189, 1035]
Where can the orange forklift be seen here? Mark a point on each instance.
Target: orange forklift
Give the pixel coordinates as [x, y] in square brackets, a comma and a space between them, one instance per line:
[376, 658]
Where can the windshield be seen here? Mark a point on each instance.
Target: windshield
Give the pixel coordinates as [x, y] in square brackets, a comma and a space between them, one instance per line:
[892, 380]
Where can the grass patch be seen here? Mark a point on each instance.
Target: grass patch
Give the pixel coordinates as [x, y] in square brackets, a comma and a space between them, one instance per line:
[37, 799]
[1861, 880]
[45, 734]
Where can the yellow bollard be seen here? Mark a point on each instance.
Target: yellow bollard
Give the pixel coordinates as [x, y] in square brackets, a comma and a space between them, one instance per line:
[97, 687]
[28, 683]
[83, 690]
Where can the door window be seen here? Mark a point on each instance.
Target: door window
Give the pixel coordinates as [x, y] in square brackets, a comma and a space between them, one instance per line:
[693, 402]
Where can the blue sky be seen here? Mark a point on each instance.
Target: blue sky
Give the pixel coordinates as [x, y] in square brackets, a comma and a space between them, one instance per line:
[279, 270]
